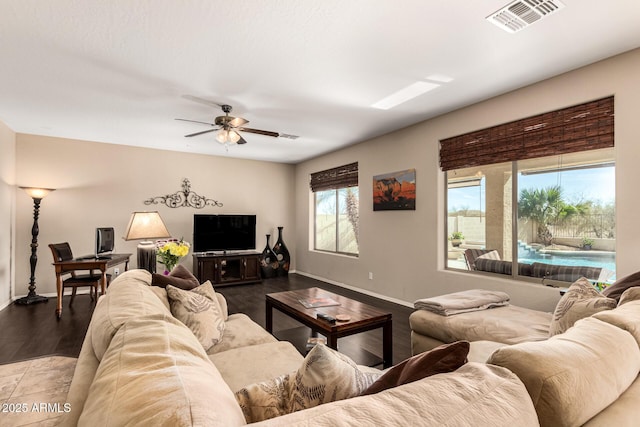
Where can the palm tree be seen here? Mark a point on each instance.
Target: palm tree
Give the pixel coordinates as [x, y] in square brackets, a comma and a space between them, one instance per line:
[546, 207]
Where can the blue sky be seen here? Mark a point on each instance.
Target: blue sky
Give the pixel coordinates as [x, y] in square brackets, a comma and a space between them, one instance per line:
[588, 184]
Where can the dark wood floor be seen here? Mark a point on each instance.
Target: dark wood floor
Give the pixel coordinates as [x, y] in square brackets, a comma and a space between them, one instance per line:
[33, 331]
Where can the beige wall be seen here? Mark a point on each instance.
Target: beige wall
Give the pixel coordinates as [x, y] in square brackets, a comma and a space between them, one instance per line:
[101, 184]
[405, 250]
[7, 205]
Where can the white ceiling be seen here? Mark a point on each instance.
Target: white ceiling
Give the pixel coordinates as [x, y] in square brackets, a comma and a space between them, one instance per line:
[117, 71]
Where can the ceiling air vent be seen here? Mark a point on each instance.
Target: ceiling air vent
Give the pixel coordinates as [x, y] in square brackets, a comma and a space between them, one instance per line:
[521, 13]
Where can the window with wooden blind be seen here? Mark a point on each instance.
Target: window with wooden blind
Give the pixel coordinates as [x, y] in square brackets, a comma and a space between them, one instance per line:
[336, 201]
[535, 199]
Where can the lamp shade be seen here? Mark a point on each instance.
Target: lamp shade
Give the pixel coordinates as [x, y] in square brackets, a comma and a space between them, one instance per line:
[37, 193]
[146, 225]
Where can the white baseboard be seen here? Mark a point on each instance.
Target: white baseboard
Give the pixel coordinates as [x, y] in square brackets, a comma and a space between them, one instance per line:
[356, 289]
[53, 294]
[6, 304]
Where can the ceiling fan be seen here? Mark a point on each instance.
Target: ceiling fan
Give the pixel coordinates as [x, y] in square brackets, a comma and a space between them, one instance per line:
[228, 127]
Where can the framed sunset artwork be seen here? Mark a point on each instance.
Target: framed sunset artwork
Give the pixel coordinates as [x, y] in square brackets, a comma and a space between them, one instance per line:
[395, 191]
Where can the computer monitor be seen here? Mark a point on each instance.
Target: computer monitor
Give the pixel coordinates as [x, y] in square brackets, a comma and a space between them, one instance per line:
[105, 240]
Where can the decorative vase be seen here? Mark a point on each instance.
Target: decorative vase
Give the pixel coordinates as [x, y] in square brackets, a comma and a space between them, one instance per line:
[281, 251]
[168, 268]
[268, 261]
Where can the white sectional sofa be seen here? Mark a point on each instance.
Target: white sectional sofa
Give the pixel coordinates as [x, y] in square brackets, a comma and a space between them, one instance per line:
[139, 365]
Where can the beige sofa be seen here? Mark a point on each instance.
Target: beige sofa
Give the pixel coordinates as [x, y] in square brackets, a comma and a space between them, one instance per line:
[588, 375]
[140, 366]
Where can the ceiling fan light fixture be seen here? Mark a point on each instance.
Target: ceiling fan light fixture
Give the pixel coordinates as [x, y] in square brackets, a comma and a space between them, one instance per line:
[227, 136]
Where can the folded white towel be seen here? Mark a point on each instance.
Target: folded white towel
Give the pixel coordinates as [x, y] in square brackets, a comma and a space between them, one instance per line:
[463, 302]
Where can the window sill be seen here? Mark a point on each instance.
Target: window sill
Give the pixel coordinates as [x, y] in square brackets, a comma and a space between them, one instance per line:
[340, 254]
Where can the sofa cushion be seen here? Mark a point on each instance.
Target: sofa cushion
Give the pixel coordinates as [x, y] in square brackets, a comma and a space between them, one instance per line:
[156, 373]
[564, 375]
[129, 296]
[509, 325]
[161, 293]
[474, 395]
[581, 300]
[622, 412]
[200, 311]
[179, 277]
[241, 331]
[445, 358]
[256, 363]
[615, 291]
[325, 376]
[564, 273]
[626, 316]
[493, 265]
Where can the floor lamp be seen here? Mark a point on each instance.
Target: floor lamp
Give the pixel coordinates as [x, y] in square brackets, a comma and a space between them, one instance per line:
[37, 194]
[144, 226]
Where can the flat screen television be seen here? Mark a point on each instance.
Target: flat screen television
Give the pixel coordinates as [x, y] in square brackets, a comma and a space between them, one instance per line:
[223, 232]
[105, 240]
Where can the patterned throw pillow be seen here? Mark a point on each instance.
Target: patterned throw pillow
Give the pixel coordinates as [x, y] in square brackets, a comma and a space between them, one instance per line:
[581, 300]
[200, 311]
[325, 376]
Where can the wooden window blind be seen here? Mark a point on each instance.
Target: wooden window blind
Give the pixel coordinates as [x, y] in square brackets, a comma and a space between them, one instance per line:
[583, 127]
[340, 177]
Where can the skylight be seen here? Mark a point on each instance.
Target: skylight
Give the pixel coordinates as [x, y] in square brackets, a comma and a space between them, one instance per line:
[405, 94]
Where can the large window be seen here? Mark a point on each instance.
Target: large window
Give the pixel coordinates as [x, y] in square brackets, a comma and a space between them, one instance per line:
[547, 216]
[336, 201]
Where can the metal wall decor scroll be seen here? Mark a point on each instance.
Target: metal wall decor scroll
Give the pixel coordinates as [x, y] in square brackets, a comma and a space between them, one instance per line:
[183, 199]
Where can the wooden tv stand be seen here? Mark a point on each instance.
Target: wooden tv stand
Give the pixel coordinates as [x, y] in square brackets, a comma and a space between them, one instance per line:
[231, 268]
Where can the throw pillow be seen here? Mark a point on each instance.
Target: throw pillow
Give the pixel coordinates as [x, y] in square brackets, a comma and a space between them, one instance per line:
[200, 311]
[179, 277]
[325, 376]
[581, 300]
[631, 294]
[442, 359]
[616, 290]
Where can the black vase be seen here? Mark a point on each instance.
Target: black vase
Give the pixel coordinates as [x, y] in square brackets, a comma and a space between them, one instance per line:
[281, 251]
[268, 261]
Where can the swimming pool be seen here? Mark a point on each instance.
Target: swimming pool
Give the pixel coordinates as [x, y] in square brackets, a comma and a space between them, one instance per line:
[582, 258]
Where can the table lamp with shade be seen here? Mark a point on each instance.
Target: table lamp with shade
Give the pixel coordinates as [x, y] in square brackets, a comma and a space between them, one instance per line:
[37, 194]
[144, 226]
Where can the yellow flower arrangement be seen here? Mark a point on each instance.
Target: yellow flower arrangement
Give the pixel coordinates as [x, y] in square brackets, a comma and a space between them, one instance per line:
[169, 253]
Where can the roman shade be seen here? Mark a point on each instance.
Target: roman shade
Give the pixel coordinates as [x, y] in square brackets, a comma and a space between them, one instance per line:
[339, 177]
[583, 127]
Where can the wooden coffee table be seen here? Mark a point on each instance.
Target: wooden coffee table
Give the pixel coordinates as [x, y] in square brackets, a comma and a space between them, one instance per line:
[363, 317]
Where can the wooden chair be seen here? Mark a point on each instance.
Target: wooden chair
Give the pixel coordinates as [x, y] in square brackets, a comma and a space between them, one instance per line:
[62, 252]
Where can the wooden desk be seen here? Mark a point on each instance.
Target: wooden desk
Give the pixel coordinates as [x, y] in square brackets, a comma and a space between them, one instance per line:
[85, 263]
[363, 317]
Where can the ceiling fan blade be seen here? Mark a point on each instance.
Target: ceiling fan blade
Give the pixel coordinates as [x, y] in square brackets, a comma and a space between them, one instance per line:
[196, 121]
[201, 100]
[260, 132]
[241, 140]
[200, 133]
[238, 121]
